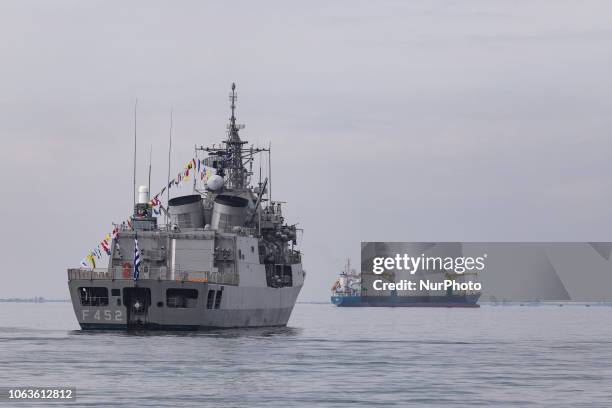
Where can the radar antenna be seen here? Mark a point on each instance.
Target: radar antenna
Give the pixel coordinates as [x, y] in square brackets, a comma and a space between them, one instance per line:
[234, 157]
[233, 98]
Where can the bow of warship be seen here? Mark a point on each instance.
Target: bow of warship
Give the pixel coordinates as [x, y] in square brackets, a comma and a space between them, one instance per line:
[224, 257]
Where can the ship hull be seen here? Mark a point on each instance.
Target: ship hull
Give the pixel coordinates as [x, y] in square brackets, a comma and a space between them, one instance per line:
[406, 301]
[238, 307]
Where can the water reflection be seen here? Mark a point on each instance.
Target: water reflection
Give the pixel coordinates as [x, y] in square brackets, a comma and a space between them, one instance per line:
[254, 332]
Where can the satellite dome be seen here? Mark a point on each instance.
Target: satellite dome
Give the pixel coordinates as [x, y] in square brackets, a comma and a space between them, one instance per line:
[143, 194]
[215, 182]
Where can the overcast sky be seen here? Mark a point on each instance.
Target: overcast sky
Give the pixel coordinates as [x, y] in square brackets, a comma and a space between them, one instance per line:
[389, 120]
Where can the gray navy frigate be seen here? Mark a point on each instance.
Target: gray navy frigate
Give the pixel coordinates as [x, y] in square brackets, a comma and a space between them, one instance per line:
[225, 257]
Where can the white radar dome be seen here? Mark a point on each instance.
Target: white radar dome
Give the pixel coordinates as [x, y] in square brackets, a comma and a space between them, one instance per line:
[143, 194]
[215, 182]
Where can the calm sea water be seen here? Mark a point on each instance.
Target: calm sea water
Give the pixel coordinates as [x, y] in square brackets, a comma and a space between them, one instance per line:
[492, 356]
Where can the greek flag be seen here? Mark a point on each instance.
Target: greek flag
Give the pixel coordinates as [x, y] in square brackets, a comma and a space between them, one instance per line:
[136, 259]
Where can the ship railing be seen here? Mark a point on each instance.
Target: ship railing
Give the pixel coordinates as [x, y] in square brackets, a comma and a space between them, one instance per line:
[160, 274]
[239, 230]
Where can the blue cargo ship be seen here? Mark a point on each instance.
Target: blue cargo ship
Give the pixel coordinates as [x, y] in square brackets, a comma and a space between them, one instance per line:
[347, 292]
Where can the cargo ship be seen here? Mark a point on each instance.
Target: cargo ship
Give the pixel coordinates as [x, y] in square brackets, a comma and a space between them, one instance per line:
[349, 291]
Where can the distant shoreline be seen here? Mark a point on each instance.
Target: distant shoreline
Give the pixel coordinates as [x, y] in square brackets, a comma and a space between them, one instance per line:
[32, 300]
[43, 300]
[483, 303]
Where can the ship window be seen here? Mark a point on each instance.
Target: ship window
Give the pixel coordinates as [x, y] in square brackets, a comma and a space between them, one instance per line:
[116, 292]
[93, 296]
[211, 299]
[118, 301]
[182, 298]
[218, 299]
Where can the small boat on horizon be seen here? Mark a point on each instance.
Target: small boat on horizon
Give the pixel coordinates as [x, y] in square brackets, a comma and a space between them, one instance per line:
[348, 291]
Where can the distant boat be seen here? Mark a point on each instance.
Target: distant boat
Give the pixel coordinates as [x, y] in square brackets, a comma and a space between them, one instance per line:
[347, 291]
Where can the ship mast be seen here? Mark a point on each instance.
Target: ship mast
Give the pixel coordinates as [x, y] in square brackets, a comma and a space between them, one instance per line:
[236, 173]
[234, 156]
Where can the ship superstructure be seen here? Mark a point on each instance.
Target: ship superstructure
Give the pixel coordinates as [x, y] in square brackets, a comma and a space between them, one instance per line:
[223, 257]
[348, 282]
